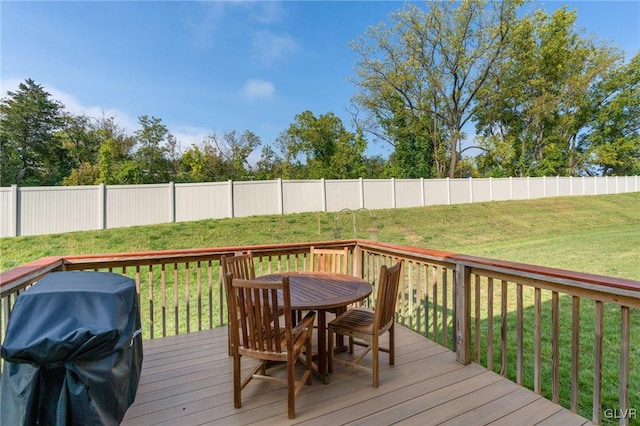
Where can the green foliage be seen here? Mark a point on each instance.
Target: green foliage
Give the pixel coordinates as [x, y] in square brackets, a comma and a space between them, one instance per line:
[541, 99]
[151, 155]
[419, 78]
[327, 148]
[616, 129]
[219, 158]
[31, 152]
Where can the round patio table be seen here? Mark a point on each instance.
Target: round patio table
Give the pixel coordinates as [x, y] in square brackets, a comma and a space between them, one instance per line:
[321, 292]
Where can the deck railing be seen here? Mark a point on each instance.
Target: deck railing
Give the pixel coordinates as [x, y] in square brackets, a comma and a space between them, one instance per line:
[571, 337]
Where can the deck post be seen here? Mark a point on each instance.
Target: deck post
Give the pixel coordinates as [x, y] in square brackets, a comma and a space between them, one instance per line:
[463, 313]
[356, 264]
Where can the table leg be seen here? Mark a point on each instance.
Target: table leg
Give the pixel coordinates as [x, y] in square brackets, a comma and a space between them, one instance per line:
[322, 346]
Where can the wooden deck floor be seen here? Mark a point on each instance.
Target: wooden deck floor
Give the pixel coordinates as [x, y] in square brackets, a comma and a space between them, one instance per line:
[186, 380]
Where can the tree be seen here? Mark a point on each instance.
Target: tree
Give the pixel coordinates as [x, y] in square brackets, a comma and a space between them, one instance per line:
[541, 101]
[235, 151]
[419, 79]
[615, 135]
[219, 158]
[269, 166]
[152, 152]
[31, 152]
[327, 148]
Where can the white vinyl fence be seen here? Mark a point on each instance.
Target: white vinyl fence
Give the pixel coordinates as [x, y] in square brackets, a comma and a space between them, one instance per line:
[47, 210]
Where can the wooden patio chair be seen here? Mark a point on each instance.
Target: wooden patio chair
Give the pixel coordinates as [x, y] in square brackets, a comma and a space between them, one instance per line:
[260, 334]
[368, 325]
[329, 260]
[240, 266]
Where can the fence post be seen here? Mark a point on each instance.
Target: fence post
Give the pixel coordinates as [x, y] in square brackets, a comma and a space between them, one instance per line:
[361, 186]
[570, 185]
[14, 212]
[510, 187]
[323, 194]
[448, 191]
[422, 197]
[471, 189]
[102, 207]
[230, 197]
[393, 193]
[280, 197]
[490, 188]
[172, 202]
[463, 313]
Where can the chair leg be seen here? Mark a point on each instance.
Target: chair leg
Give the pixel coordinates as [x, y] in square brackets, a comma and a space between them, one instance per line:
[392, 344]
[237, 387]
[291, 389]
[331, 350]
[309, 354]
[374, 361]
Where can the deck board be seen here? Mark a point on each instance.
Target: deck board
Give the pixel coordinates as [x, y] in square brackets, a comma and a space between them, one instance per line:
[187, 380]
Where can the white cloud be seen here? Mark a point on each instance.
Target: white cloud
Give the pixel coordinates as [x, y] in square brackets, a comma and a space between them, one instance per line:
[74, 106]
[204, 20]
[187, 135]
[270, 47]
[268, 12]
[258, 89]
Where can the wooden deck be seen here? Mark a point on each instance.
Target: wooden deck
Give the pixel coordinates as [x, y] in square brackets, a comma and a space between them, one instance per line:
[186, 380]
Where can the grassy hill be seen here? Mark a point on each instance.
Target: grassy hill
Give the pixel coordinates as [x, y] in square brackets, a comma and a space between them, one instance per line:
[596, 234]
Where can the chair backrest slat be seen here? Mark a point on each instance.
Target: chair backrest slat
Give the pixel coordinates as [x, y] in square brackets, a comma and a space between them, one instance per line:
[387, 295]
[329, 260]
[258, 307]
[240, 265]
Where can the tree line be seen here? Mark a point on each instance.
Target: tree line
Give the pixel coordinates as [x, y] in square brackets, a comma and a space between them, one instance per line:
[541, 98]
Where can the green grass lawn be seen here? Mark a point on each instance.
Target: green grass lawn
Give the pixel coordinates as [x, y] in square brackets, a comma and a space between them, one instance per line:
[596, 234]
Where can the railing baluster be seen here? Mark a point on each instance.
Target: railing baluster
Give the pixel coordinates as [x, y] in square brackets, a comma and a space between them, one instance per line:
[210, 294]
[477, 318]
[503, 328]
[199, 294]
[597, 362]
[555, 348]
[163, 284]
[625, 336]
[575, 353]
[187, 296]
[434, 286]
[176, 307]
[519, 333]
[411, 295]
[402, 294]
[445, 306]
[426, 300]
[151, 324]
[490, 324]
[537, 351]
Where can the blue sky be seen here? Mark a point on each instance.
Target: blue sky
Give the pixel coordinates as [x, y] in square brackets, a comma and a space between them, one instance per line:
[206, 67]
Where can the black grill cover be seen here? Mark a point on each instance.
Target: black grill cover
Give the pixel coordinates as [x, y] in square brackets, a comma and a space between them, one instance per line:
[72, 351]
